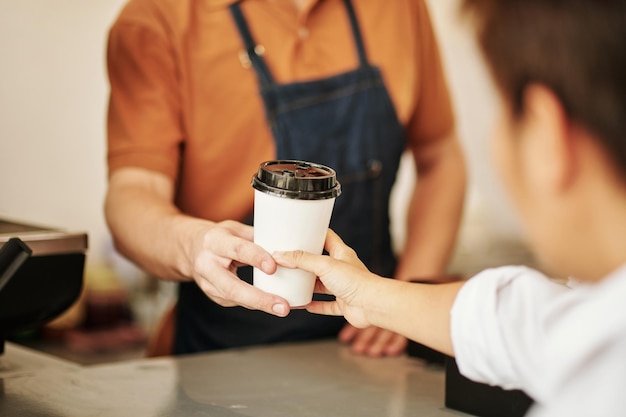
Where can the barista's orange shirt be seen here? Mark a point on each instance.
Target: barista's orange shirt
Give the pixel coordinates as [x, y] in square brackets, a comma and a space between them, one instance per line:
[184, 104]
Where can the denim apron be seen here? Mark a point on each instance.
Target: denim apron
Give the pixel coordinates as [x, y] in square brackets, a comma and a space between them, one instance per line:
[347, 122]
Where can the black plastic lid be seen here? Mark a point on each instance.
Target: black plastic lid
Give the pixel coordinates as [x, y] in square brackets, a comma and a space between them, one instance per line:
[299, 180]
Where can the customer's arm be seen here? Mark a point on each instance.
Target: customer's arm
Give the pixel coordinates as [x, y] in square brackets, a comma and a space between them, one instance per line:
[148, 229]
[418, 311]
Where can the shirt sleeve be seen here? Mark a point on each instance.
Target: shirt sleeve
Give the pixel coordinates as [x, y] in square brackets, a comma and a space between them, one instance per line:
[514, 328]
[498, 326]
[433, 116]
[144, 117]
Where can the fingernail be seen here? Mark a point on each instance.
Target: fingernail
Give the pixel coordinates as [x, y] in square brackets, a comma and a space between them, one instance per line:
[279, 309]
[264, 266]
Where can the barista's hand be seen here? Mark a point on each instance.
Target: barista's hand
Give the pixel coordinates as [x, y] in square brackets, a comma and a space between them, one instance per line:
[216, 253]
[341, 274]
[373, 341]
[150, 230]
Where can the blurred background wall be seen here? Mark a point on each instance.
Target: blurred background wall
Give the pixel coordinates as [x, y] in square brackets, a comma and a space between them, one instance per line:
[53, 94]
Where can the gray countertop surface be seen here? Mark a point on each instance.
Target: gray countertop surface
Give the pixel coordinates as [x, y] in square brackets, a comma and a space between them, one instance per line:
[309, 379]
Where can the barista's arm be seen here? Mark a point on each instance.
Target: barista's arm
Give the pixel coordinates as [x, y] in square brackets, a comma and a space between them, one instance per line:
[148, 229]
[435, 208]
[436, 205]
[144, 139]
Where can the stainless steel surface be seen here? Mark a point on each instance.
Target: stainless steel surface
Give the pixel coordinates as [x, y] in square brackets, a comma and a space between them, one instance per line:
[42, 240]
[310, 380]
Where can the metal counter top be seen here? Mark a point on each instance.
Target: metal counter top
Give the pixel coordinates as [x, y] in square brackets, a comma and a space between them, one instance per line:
[319, 379]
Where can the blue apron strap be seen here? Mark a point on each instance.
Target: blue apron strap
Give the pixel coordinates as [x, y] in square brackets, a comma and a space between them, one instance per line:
[263, 72]
[358, 39]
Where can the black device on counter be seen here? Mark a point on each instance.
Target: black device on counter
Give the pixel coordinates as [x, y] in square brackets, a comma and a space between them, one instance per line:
[41, 274]
[482, 400]
[13, 254]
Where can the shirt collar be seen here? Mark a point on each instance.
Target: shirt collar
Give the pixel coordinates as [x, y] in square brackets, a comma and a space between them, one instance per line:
[226, 3]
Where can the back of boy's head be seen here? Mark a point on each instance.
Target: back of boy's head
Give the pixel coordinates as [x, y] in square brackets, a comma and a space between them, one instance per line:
[576, 48]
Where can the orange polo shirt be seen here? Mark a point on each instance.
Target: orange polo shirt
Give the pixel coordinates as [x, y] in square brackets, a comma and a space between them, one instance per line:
[183, 103]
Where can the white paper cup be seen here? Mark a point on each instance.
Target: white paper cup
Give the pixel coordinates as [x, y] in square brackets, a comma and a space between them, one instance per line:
[293, 203]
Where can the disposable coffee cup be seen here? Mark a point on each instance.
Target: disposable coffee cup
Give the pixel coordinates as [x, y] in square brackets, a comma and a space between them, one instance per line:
[293, 203]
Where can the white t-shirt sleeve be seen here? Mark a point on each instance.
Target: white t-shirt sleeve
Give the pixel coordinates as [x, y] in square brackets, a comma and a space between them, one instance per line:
[497, 325]
[565, 347]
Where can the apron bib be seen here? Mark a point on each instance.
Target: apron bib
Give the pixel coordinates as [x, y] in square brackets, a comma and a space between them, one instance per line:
[347, 122]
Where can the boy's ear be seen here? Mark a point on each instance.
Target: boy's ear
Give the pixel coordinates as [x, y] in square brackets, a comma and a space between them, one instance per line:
[549, 156]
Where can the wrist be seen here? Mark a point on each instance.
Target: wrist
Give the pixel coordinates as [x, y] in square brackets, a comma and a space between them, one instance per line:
[189, 234]
[376, 293]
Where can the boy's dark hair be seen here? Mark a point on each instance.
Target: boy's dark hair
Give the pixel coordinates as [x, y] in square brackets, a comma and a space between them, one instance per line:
[576, 48]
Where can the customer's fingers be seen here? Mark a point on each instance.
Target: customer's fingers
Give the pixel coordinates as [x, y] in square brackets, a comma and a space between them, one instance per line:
[320, 288]
[338, 249]
[327, 308]
[320, 265]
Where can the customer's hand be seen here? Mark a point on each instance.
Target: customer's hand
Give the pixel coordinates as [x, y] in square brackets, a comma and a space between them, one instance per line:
[218, 250]
[373, 341]
[341, 274]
